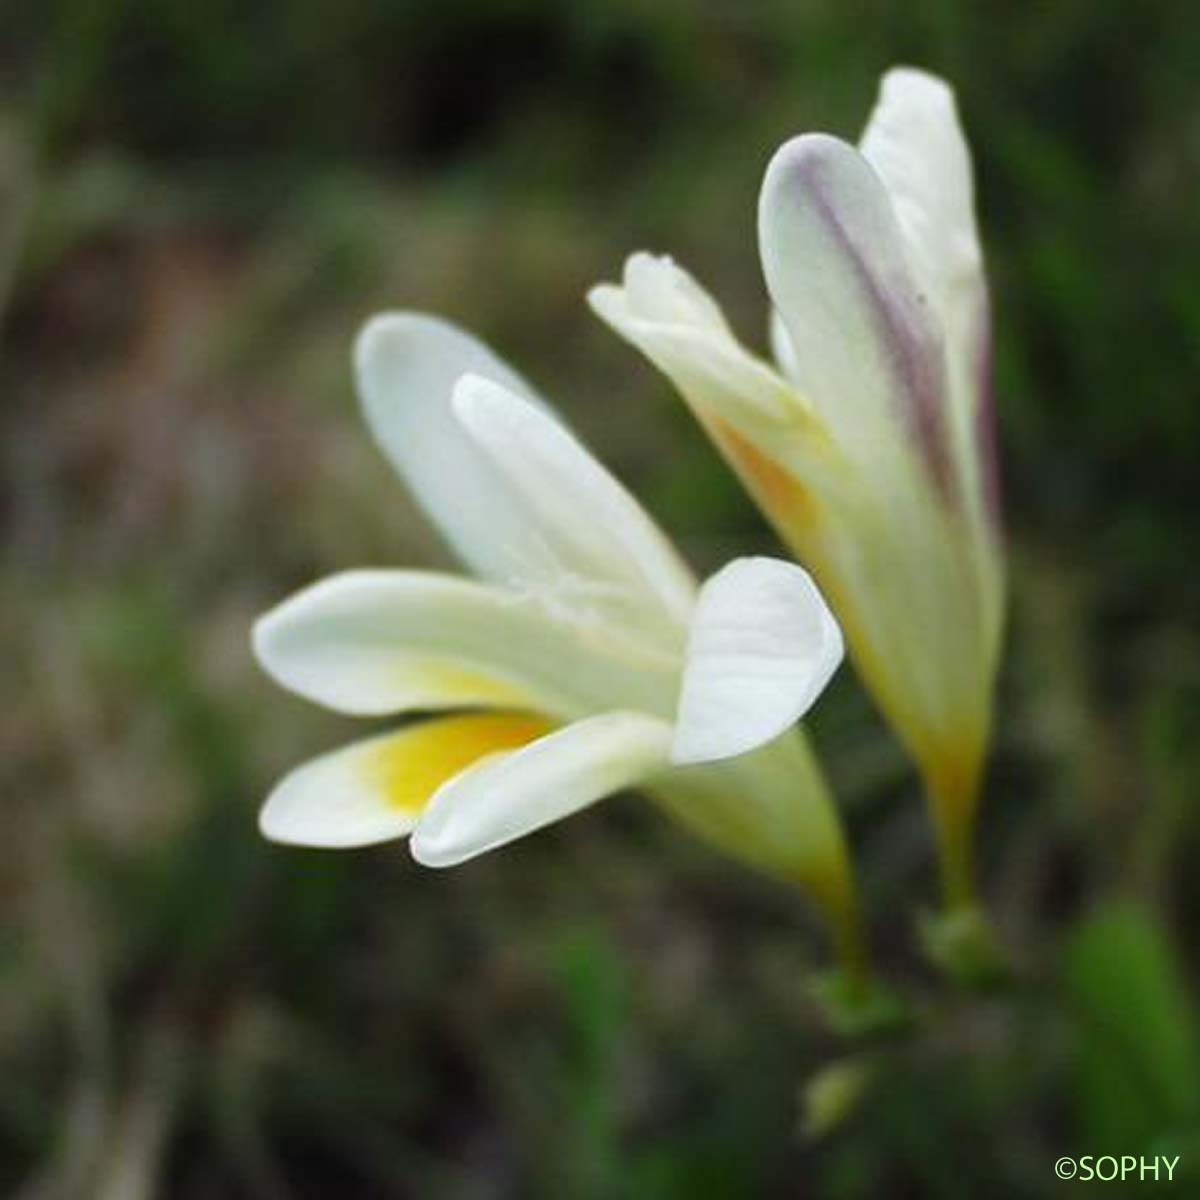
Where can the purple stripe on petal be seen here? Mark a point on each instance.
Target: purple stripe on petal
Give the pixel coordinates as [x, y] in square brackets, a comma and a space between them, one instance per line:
[913, 343]
[986, 441]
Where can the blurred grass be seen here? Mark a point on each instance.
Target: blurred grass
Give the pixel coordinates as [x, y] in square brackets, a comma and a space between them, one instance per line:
[198, 207]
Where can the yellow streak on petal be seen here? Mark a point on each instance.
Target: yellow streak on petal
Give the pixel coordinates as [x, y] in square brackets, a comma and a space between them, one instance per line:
[439, 684]
[779, 493]
[408, 767]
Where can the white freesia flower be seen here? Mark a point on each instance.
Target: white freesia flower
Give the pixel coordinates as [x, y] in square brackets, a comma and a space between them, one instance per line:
[870, 444]
[583, 661]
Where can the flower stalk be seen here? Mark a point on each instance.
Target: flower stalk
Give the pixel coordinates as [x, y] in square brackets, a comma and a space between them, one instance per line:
[953, 795]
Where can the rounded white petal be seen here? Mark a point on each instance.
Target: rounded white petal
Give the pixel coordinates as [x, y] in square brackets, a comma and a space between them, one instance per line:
[598, 530]
[376, 642]
[510, 795]
[406, 366]
[763, 645]
[374, 790]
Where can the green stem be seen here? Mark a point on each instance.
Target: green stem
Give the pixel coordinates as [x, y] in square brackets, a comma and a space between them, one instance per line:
[850, 946]
[854, 1003]
[953, 794]
[960, 939]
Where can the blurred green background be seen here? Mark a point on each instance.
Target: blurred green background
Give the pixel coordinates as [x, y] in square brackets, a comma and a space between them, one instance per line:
[199, 204]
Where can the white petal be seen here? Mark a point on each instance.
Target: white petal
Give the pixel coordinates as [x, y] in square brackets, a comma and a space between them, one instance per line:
[916, 144]
[663, 311]
[762, 647]
[374, 790]
[511, 795]
[407, 365]
[782, 350]
[765, 428]
[374, 642]
[597, 529]
[914, 141]
[501, 526]
[867, 349]
[663, 293]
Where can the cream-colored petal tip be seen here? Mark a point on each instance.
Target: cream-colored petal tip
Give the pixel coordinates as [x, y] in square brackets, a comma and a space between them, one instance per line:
[448, 834]
[803, 160]
[386, 332]
[276, 639]
[359, 642]
[645, 264]
[610, 302]
[322, 805]
[903, 81]
[262, 640]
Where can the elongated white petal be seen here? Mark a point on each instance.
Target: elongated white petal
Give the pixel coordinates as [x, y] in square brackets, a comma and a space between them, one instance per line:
[915, 143]
[407, 365]
[375, 642]
[762, 647]
[664, 293]
[867, 350]
[765, 428]
[507, 528]
[596, 526]
[511, 795]
[782, 350]
[665, 313]
[374, 790]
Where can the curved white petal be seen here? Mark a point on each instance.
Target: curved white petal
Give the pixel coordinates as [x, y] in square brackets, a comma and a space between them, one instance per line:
[762, 647]
[374, 790]
[867, 349]
[594, 525]
[662, 292]
[406, 366]
[511, 795]
[504, 527]
[915, 143]
[782, 350]
[375, 642]
[672, 320]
